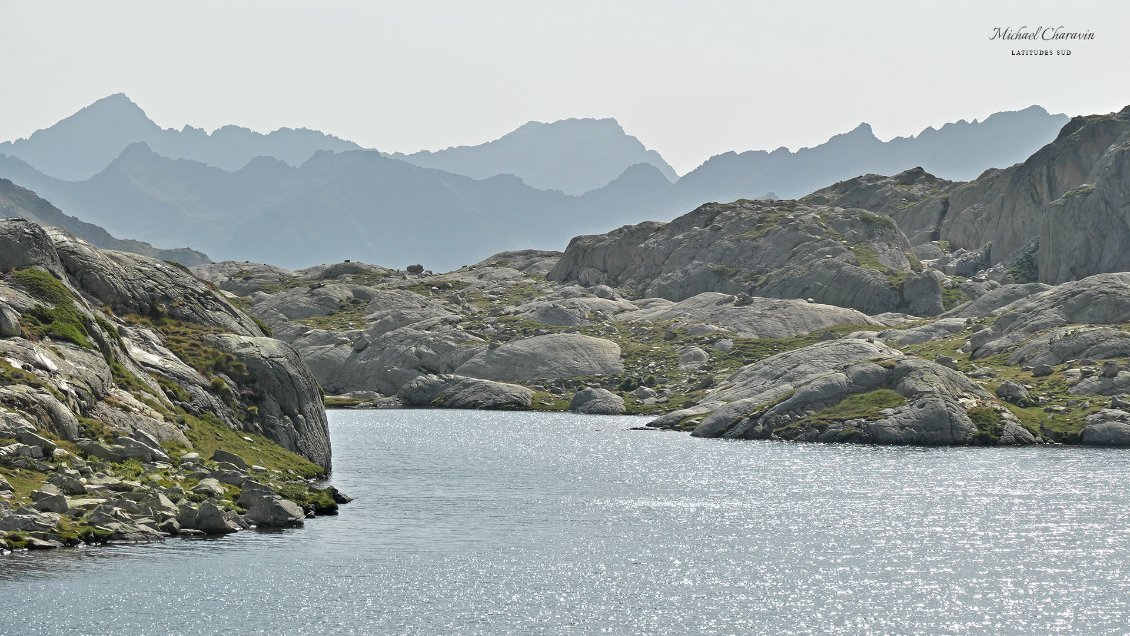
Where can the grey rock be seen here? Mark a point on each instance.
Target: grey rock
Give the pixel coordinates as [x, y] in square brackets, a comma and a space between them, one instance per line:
[946, 361]
[460, 392]
[1075, 342]
[1108, 427]
[210, 487]
[266, 509]
[211, 520]
[779, 249]
[759, 318]
[1042, 371]
[995, 299]
[596, 401]
[922, 293]
[1103, 299]
[693, 358]
[9, 322]
[1014, 392]
[1110, 369]
[68, 484]
[546, 357]
[291, 412]
[221, 455]
[49, 500]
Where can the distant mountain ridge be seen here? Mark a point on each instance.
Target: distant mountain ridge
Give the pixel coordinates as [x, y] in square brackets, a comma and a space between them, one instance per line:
[84, 144]
[20, 203]
[958, 151]
[361, 204]
[571, 155]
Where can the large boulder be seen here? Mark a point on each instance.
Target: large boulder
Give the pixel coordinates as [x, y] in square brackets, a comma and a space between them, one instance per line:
[210, 519]
[267, 509]
[459, 392]
[553, 356]
[1108, 427]
[597, 401]
[24, 244]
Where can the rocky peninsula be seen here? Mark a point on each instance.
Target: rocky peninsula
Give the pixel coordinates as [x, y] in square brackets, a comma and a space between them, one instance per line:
[136, 403]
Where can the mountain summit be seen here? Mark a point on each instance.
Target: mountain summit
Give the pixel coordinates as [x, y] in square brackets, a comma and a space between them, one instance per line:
[571, 155]
[82, 145]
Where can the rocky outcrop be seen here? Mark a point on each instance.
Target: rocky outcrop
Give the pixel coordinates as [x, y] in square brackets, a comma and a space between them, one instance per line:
[290, 411]
[1099, 299]
[852, 390]
[550, 356]
[751, 317]
[459, 392]
[115, 365]
[1071, 194]
[914, 198]
[782, 249]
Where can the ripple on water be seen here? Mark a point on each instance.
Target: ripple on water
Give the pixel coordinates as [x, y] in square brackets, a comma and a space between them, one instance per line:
[517, 522]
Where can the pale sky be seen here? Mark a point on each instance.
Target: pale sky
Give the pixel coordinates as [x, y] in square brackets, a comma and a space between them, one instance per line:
[690, 79]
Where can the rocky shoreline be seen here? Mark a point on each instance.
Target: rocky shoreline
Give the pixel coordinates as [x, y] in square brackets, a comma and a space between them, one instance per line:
[136, 403]
[137, 494]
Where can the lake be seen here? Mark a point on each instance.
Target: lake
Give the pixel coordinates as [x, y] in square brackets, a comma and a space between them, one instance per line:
[491, 522]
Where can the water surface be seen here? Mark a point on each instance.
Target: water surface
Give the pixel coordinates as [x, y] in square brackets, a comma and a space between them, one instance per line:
[472, 522]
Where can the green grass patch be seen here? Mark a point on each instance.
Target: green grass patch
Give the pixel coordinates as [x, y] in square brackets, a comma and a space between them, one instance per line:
[549, 402]
[57, 317]
[989, 423]
[865, 406]
[952, 297]
[319, 499]
[23, 482]
[186, 341]
[207, 433]
[11, 375]
[349, 315]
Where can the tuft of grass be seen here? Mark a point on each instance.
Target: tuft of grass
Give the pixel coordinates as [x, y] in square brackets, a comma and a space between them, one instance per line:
[989, 423]
[57, 317]
[320, 500]
[865, 406]
[23, 482]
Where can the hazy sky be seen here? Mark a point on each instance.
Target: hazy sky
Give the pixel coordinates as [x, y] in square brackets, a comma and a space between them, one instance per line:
[690, 79]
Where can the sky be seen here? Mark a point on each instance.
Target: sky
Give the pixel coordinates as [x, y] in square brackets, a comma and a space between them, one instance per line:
[689, 79]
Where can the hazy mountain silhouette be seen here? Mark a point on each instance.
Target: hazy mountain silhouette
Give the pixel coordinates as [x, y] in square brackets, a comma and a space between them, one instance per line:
[21, 203]
[365, 205]
[957, 151]
[356, 204]
[571, 155]
[85, 143]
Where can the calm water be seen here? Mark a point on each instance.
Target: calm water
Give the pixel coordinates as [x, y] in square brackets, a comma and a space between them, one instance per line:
[471, 522]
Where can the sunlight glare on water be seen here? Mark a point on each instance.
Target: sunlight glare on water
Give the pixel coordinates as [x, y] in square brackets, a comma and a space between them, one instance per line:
[479, 522]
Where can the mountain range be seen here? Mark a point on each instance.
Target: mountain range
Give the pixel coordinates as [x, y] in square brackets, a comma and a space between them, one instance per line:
[21, 203]
[300, 197]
